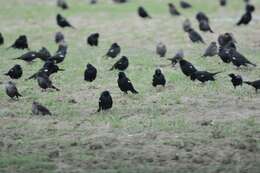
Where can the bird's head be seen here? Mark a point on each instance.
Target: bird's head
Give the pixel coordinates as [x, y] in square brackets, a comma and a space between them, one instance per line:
[232, 75]
[170, 5]
[124, 58]
[106, 93]
[158, 72]
[89, 65]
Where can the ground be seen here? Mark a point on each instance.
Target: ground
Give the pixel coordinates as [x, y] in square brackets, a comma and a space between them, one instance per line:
[184, 127]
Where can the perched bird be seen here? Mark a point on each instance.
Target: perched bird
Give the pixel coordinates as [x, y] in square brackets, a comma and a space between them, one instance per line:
[62, 22]
[187, 68]
[59, 37]
[113, 51]
[142, 13]
[44, 82]
[44, 54]
[238, 59]
[105, 101]
[236, 80]
[161, 49]
[202, 16]
[11, 90]
[62, 4]
[223, 2]
[184, 4]
[158, 78]
[20, 43]
[177, 57]
[90, 73]
[28, 57]
[38, 109]
[173, 10]
[212, 50]
[1, 39]
[92, 40]
[125, 84]
[203, 76]
[204, 26]
[186, 25]
[255, 84]
[15, 72]
[195, 37]
[121, 64]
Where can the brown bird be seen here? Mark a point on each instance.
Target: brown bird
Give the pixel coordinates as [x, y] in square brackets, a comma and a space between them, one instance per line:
[38, 109]
[11, 90]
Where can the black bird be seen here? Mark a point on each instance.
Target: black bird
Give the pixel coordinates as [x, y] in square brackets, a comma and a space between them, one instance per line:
[158, 78]
[93, 1]
[62, 4]
[90, 73]
[11, 90]
[186, 25]
[238, 59]
[120, 1]
[161, 49]
[62, 22]
[143, 14]
[59, 37]
[225, 39]
[195, 36]
[48, 68]
[173, 10]
[60, 54]
[177, 57]
[28, 57]
[1, 39]
[38, 109]
[255, 84]
[92, 40]
[184, 4]
[224, 54]
[113, 51]
[223, 2]
[20, 43]
[245, 19]
[187, 68]
[15, 72]
[125, 84]
[202, 16]
[204, 26]
[44, 82]
[212, 50]
[236, 80]
[121, 64]
[203, 76]
[105, 101]
[44, 54]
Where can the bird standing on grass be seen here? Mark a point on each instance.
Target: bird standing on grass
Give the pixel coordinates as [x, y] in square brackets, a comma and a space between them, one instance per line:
[158, 78]
[11, 90]
[62, 22]
[255, 84]
[44, 82]
[90, 73]
[236, 80]
[173, 10]
[212, 50]
[203, 76]
[113, 51]
[62, 4]
[59, 37]
[194, 36]
[125, 84]
[20, 43]
[15, 72]
[161, 49]
[187, 68]
[38, 109]
[247, 17]
[121, 64]
[28, 57]
[177, 57]
[105, 101]
[143, 13]
[92, 40]
[185, 4]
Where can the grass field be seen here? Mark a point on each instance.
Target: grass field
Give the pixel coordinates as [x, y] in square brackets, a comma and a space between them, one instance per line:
[184, 127]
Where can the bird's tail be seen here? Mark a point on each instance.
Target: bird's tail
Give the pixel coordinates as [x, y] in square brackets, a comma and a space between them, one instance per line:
[19, 95]
[248, 83]
[134, 91]
[252, 64]
[6, 74]
[57, 89]
[214, 74]
[112, 68]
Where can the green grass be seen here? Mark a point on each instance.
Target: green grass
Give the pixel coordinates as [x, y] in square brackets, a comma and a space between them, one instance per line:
[141, 133]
